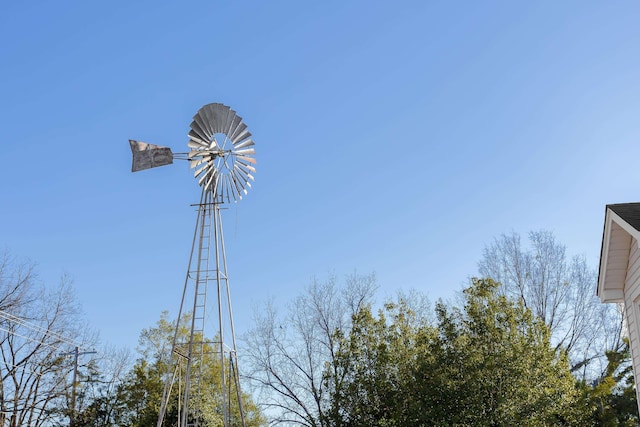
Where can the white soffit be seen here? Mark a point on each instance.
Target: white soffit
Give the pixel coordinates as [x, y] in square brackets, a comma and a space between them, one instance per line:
[614, 259]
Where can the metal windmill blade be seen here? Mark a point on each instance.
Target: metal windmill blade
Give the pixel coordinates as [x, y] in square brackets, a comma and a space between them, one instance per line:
[220, 148]
[222, 156]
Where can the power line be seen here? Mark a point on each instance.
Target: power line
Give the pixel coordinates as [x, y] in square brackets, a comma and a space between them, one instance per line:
[37, 328]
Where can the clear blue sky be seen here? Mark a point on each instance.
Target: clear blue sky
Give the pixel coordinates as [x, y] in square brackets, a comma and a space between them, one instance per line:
[395, 137]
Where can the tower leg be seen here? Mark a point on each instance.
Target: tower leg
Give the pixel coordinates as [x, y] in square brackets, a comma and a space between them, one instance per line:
[207, 265]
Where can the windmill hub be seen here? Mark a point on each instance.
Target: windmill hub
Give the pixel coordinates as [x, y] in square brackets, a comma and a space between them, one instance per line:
[221, 153]
[214, 153]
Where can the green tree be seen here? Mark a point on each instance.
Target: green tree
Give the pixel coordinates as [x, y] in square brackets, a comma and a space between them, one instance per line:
[613, 397]
[497, 356]
[489, 363]
[560, 291]
[141, 392]
[374, 369]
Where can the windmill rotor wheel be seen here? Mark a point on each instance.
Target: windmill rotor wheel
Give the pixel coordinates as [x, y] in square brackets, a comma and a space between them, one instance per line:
[222, 152]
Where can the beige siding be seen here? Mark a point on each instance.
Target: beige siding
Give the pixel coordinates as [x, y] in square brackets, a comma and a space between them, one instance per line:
[633, 269]
[632, 307]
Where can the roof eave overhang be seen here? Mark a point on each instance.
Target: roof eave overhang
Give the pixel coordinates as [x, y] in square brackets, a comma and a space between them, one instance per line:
[610, 288]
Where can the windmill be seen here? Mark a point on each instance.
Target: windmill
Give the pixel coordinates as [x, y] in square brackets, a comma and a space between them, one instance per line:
[222, 156]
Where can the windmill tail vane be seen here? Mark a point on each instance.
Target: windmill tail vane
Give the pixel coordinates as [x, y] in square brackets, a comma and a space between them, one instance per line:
[147, 156]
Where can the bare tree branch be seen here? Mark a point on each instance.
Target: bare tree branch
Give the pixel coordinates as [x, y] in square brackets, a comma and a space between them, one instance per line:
[286, 356]
[560, 291]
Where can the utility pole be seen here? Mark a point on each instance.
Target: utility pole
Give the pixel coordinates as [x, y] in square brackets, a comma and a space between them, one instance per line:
[76, 353]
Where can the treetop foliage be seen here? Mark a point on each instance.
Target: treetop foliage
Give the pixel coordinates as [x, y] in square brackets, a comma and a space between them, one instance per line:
[488, 361]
